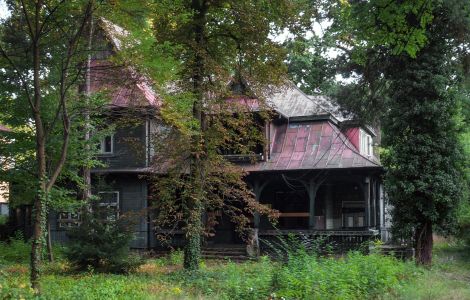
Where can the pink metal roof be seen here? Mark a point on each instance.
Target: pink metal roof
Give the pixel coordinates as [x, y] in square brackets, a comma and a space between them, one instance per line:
[312, 145]
[126, 87]
[4, 128]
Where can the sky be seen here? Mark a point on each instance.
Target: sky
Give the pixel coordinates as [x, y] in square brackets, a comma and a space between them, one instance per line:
[3, 9]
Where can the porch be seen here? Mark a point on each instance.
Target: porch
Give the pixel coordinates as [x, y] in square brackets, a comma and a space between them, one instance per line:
[343, 207]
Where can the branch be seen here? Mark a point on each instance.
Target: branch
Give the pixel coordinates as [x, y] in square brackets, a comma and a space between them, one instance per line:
[25, 12]
[63, 97]
[51, 13]
[21, 77]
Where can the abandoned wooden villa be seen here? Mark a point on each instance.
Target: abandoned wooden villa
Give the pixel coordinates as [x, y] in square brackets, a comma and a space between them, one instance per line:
[317, 168]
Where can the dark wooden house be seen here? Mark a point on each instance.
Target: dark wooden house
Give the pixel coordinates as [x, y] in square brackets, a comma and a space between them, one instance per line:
[318, 169]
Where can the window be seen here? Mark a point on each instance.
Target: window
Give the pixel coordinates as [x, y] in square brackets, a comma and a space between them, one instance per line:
[365, 141]
[351, 220]
[106, 145]
[68, 219]
[109, 205]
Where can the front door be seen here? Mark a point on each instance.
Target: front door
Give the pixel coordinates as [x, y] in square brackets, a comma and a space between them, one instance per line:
[224, 231]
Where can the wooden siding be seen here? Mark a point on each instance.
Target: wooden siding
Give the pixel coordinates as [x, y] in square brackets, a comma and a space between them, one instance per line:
[132, 198]
[129, 149]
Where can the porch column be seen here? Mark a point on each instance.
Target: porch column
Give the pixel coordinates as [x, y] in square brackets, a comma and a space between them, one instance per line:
[252, 247]
[374, 202]
[258, 188]
[329, 222]
[367, 200]
[312, 188]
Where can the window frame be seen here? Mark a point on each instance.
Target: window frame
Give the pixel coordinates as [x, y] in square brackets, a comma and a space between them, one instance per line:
[102, 145]
[70, 221]
[365, 143]
[115, 205]
[110, 192]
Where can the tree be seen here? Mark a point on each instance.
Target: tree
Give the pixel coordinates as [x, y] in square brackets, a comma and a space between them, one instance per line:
[408, 55]
[421, 136]
[214, 43]
[41, 51]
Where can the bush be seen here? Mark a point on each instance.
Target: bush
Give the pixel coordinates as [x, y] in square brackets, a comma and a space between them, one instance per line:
[15, 250]
[355, 276]
[230, 281]
[101, 243]
[464, 223]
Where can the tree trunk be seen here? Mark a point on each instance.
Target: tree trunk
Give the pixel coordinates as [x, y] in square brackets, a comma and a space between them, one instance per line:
[424, 243]
[194, 206]
[40, 201]
[192, 250]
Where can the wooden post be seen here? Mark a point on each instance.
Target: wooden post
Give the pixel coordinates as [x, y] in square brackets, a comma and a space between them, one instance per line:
[367, 200]
[252, 247]
[257, 190]
[312, 188]
[329, 222]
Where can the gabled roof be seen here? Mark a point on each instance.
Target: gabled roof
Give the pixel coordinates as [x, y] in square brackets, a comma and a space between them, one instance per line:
[127, 87]
[311, 145]
[327, 104]
[291, 102]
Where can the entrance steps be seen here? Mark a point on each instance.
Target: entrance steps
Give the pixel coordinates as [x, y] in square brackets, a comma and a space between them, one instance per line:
[234, 252]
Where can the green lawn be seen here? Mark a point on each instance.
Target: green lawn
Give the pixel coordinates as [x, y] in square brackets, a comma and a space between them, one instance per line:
[449, 278]
[304, 277]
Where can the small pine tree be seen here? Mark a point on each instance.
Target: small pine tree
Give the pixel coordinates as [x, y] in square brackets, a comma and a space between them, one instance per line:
[101, 242]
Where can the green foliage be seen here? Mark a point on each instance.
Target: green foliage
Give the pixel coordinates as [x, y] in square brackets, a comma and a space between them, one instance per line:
[231, 280]
[101, 242]
[3, 219]
[424, 158]
[309, 66]
[15, 250]
[355, 276]
[212, 45]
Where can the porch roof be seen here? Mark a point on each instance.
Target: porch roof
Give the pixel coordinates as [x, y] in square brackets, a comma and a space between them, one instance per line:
[311, 145]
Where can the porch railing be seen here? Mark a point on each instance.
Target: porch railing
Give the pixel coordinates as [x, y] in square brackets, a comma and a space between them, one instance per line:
[338, 240]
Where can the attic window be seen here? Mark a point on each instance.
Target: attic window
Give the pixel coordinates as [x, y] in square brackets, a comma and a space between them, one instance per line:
[365, 142]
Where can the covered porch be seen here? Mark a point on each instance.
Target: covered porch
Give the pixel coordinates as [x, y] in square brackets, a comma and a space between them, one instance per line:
[344, 206]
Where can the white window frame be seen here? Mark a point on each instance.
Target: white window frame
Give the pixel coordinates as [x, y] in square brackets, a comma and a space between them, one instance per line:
[365, 143]
[69, 221]
[102, 145]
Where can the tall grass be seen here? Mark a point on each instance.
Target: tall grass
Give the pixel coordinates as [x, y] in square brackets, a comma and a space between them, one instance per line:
[300, 274]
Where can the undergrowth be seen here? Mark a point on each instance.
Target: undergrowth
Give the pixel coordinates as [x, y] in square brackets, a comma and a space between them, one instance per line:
[301, 275]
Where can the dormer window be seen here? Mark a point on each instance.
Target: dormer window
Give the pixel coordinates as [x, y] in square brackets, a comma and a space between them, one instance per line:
[365, 142]
[106, 145]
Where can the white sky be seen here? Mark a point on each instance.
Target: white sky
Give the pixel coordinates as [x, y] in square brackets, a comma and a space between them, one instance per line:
[317, 30]
[3, 9]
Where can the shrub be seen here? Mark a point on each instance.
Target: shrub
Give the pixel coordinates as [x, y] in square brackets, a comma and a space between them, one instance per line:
[15, 250]
[101, 243]
[250, 280]
[355, 276]
[464, 223]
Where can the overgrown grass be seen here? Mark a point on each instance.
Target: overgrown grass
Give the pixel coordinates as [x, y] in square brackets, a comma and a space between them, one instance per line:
[302, 276]
[449, 277]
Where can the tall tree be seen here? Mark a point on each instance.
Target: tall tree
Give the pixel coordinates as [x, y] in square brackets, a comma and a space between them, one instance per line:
[406, 56]
[217, 42]
[421, 135]
[41, 50]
